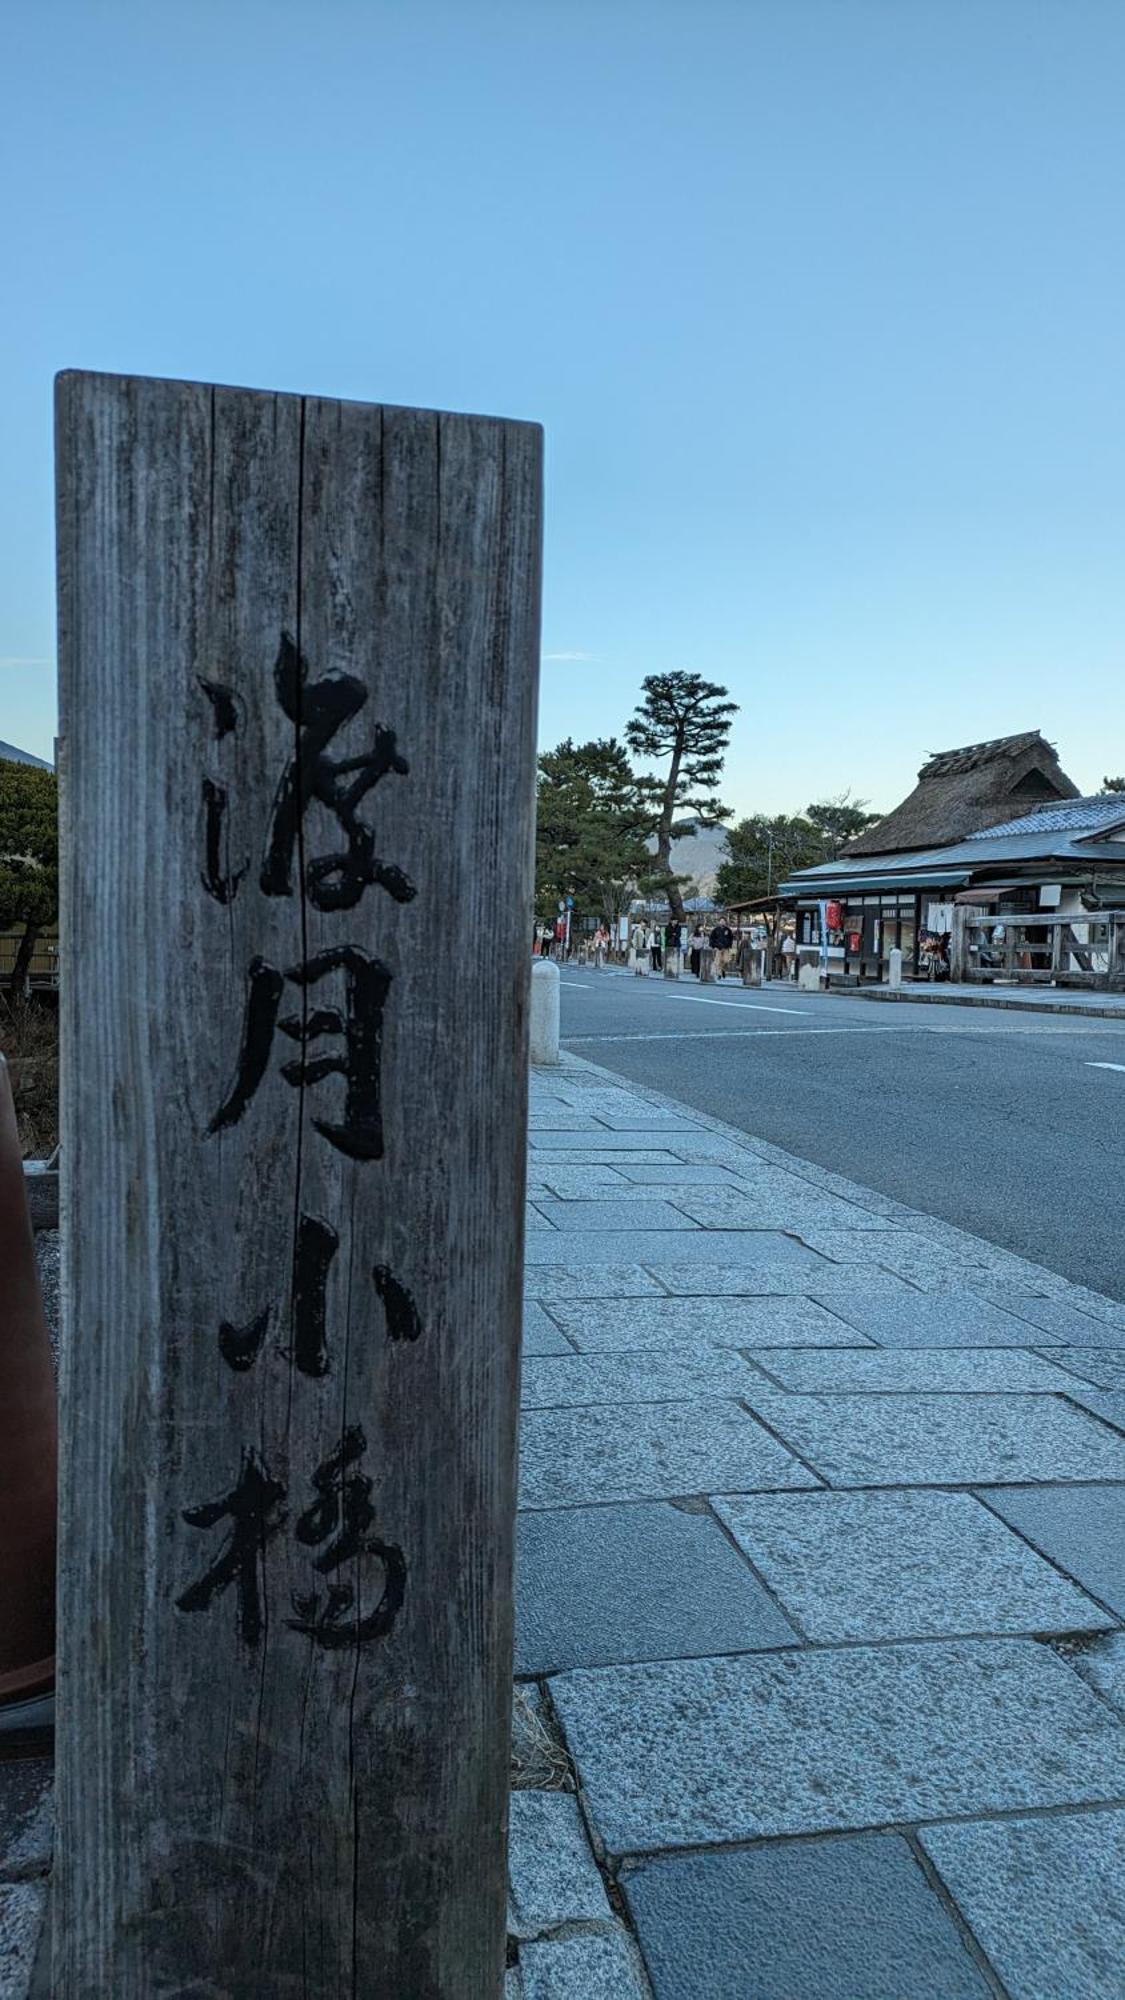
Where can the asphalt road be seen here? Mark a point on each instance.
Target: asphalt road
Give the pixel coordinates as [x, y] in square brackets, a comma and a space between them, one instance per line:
[997, 1121]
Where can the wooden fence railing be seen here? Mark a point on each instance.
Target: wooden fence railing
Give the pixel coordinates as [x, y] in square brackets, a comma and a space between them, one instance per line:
[1043, 948]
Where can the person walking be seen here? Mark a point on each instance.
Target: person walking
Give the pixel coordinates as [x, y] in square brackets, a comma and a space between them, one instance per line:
[601, 946]
[639, 943]
[695, 950]
[721, 940]
[656, 957]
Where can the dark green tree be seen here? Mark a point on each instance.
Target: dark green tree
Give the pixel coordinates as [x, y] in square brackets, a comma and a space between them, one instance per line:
[840, 819]
[1113, 784]
[762, 850]
[686, 720]
[29, 859]
[590, 830]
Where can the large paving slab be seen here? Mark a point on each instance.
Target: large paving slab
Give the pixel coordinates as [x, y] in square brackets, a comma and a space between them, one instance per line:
[617, 1157]
[943, 1440]
[597, 1966]
[770, 1207]
[646, 1121]
[758, 1250]
[929, 1319]
[844, 1919]
[677, 1173]
[695, 1752]
[1001, 1288]
[1103, 1666]
[849, 1566]
[1060, 1320]
[641, 1451]
[895, 1372]
[542, 1121]
[825, 1282]
[1045, 1898]
[604, 1216]
[553, 1878]
[598, 1139]
[540, 1334]
[583, 1183]
[649, 1377]
[1081, 1528]
[1107, 1404]
[602, 1585]
[1103, 1366]
[615, 1326]
[701, 1145]
[594, 1280]
[902, 1250]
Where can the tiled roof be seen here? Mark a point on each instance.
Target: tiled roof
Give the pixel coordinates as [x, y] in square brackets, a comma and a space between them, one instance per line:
[1062, 816]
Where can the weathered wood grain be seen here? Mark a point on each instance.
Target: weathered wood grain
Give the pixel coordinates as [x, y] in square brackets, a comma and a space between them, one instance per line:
[274, 1814]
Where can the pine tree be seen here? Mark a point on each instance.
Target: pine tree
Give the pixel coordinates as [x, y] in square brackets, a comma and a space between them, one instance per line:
[687, 720]
[589, 830]
[840, 819]
[762, 850]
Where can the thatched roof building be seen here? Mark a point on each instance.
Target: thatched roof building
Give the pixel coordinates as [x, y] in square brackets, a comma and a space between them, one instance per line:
[959, 792]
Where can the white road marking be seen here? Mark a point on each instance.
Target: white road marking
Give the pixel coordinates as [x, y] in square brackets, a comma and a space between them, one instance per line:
[1117, 1066]
[731, 1034]
[759, 1006]
[578, 984]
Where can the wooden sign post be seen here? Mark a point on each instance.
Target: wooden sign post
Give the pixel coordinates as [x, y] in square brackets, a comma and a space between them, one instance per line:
[299, 658]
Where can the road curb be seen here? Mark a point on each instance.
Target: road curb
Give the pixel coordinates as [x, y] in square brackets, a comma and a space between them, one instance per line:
[926, 999]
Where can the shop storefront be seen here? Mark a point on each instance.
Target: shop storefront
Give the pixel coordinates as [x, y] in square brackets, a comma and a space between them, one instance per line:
[864, 924]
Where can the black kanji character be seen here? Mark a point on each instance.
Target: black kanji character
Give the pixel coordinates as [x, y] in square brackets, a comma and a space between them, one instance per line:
[403, 1318]
[224, 707]
[317, 1244]
[367, 982]
[342, 1510]
[240, 1346]
[319, 709]
[222, 886]
[254, 1508]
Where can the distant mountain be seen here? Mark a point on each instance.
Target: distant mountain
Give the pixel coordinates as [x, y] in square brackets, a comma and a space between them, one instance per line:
[699, 855]
[10, 755]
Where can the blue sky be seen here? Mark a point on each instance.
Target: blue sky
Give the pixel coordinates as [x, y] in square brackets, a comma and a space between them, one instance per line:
[820, 302]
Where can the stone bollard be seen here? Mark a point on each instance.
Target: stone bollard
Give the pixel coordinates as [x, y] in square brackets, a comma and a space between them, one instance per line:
[811, 977]
[707, 964]
[894, 968]
[751, 960]
[544, 1011]
[673, 961]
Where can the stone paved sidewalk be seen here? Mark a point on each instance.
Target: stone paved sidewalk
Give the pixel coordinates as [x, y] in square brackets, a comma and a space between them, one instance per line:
[822, 1584]
[821, 1591]
[1032, 999]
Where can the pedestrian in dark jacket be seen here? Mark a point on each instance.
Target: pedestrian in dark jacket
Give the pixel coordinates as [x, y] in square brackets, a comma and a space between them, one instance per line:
[721, 940]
